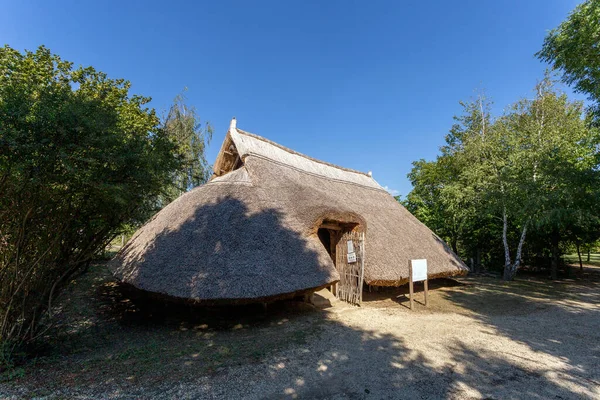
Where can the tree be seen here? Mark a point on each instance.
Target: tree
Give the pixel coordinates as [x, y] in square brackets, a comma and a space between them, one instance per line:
[443, 197]
[540, 170]
[584, 235]
[183, 126]
[491, 172]
[573, 48]
[460, 195]
[79, 158]
[535, 167]
[559, 155]
[430, 201]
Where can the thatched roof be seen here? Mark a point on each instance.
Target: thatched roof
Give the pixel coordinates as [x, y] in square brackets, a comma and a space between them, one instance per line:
[251, 232]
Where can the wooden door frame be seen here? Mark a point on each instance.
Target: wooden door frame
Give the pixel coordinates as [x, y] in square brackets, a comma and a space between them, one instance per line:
[355, 293]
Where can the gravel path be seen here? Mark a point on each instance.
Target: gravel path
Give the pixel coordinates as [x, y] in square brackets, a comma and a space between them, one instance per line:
[372, 353]
[484, 340]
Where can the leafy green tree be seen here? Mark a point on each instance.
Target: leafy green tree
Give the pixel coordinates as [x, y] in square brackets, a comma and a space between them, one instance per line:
[538, 127]
[486, 151]
[442, 198]
[573, 48]
[79, 158]
[537, 164]
[438, 200]
[551, 165]
[461, 197]
[584, 235]
[183, 126]
[425, 201]
[535, 167]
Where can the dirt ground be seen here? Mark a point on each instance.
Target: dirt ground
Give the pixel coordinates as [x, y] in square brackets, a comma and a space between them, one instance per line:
[480, 338]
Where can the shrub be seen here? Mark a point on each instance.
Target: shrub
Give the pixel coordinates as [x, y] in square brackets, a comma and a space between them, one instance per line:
[79, 158]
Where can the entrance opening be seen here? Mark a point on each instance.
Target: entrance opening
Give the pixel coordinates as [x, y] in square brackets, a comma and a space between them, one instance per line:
[330, 233]
[325, 238]
[345, 245]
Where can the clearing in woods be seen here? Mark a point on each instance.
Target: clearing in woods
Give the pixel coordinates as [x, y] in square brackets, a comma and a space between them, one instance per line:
[480, 338]
[574, 259]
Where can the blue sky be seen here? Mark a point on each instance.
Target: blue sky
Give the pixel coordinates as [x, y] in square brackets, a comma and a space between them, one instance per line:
[370, 85]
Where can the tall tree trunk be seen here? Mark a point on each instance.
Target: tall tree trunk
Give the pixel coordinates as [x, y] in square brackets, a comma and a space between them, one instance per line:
[514, 267]
[507, 267]
[579, 256]
[520, 247]
[555, 237]
[510, 269]
[588, 254]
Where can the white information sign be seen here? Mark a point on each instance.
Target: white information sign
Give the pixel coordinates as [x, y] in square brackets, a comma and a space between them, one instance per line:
[419, 270]
[351, 258]
[350, 246]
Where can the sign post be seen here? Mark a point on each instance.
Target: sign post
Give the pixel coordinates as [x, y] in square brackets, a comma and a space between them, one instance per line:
[417, 273]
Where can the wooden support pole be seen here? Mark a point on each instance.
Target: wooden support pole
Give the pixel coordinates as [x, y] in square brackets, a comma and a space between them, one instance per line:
[426, 284]
[410, 284]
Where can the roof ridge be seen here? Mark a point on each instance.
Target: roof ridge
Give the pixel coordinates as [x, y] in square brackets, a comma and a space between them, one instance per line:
[291, 151]
[346, 182]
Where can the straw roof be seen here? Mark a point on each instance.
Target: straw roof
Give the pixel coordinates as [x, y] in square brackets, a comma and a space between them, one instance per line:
[251, 232]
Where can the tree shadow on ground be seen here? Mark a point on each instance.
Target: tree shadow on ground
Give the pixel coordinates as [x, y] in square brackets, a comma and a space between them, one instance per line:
[555, 320]
[112, 345]
[292, 350]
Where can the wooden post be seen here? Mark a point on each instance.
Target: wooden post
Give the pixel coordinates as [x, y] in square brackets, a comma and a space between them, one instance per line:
[426, 283]
[362, 266]
[410, 283]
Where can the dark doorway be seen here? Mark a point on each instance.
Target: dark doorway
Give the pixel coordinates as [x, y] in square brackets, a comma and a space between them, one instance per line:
[325, 238]
[330, 233]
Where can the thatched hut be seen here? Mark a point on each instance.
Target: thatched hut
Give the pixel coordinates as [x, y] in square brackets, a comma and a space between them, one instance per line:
[274, 223]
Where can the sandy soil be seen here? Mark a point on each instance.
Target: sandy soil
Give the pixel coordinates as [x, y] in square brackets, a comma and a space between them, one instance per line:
[480, 338]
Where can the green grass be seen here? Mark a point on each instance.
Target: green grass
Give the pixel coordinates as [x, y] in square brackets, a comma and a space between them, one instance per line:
[594, 259]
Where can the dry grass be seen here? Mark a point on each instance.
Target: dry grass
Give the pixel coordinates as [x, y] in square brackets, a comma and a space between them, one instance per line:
[109, 338]
[480, 338]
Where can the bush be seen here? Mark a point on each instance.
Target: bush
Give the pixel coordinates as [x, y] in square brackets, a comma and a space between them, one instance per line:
[79, 158]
